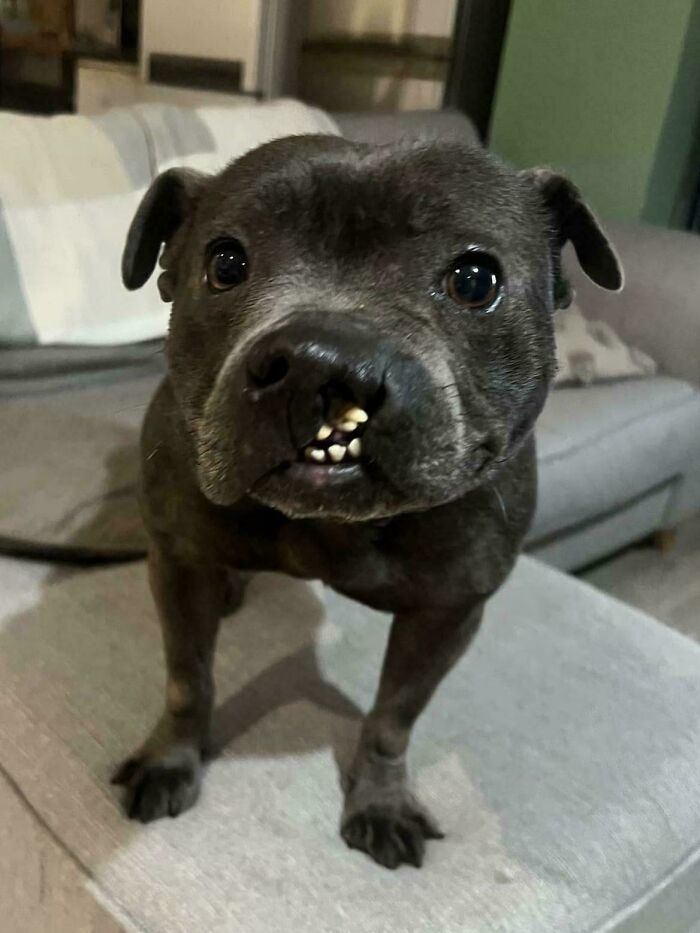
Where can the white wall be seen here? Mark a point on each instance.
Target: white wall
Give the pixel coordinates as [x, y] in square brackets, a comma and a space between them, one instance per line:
[227, 29]
[386, 17]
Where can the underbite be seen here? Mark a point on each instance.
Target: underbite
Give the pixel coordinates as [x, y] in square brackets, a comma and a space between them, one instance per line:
[340, 440]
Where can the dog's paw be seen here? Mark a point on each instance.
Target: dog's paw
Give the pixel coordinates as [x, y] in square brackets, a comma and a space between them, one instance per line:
[159, 785]
[392, 828]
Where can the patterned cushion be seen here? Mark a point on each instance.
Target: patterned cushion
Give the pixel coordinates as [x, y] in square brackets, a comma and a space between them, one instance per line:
[590, 351]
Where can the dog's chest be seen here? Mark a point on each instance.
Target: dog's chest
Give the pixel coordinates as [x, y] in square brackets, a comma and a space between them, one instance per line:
[389, 567]
[345, 558]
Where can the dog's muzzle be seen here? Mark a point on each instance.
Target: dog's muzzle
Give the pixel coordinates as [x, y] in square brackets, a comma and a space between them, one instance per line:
[329, 381]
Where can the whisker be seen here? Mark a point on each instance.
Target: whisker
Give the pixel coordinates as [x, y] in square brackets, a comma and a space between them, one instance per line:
[502, 504]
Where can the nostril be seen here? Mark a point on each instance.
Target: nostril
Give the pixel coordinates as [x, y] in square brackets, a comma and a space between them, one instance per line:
[269, 371]
[277, 369]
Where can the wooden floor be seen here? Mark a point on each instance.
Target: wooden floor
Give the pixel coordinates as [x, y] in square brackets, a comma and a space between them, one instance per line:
[666, 585]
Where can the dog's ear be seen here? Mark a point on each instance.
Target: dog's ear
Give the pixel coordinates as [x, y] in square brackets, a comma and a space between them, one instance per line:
[572, 219]
[162, 210]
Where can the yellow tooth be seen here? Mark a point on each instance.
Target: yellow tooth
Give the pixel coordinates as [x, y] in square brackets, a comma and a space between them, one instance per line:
[336, 452]
[347, 426]
[355, 447]
[313, 453]
[356, 414]
[324, 432]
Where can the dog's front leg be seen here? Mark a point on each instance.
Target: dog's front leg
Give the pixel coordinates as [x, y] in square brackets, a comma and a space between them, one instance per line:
[381, 816]
[163, 777]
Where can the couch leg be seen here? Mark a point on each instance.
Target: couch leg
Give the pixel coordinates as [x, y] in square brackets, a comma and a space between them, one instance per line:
[665, 539]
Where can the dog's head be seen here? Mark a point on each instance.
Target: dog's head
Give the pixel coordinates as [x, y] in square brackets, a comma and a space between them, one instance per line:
[359, 331]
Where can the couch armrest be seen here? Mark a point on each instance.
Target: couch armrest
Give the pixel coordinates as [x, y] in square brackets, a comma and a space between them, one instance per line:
[378, 127]
[659, 308]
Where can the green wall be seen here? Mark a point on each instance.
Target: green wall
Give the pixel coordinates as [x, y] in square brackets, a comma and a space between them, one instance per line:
[589, 85]
[676, 169]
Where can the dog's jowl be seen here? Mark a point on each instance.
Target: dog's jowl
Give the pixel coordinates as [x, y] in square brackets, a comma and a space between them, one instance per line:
[360, 344]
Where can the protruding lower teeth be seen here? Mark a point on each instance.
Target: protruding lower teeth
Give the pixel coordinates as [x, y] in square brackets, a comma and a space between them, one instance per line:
[356, 414]
[338, 449]
[315, 453]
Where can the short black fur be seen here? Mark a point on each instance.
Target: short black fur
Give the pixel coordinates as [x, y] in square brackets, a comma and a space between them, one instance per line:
[345, 303]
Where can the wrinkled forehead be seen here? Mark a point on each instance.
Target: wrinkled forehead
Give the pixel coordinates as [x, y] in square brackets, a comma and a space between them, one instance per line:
[345, 197]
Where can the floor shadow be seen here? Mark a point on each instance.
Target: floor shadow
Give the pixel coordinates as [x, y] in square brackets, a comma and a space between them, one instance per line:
[294, 619]
[83, 660]
[296, 677]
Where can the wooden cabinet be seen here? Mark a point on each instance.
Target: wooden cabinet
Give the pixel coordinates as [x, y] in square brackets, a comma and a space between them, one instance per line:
[36, 63]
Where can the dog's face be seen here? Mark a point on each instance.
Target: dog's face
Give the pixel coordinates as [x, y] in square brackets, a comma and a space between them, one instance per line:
[359, 331]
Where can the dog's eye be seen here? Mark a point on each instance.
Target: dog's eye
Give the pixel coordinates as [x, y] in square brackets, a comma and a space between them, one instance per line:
[227, 265]
[474, 280]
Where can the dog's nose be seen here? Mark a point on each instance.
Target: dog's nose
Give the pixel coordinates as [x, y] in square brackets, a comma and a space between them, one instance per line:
[310, 364]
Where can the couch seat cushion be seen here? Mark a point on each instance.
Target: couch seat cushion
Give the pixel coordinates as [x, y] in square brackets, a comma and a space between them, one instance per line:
[603, 445]
[561, 757]
[69, 475]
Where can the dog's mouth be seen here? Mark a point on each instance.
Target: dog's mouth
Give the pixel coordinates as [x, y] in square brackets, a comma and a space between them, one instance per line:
[337, 443]
[347, 471]
[331, 462]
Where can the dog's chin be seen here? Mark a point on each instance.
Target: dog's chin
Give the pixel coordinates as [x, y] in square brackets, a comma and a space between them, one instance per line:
[348, 492]
[341, 492]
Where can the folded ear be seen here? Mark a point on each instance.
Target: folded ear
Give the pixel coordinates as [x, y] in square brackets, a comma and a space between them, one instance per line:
[162, 210]
[573, 220]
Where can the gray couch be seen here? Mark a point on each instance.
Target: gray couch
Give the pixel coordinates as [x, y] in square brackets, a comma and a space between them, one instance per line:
[618, 461]
[561, 755]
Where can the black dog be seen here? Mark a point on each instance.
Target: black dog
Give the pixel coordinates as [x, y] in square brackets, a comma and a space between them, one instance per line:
[361, 341]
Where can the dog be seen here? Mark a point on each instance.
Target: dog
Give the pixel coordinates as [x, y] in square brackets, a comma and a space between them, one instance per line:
[360, 343]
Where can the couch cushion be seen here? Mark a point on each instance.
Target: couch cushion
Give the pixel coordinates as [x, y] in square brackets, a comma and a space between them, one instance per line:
[44, 371]
[603, 445]
[85, 175]
[408, 124]
[69, 478]
[561, 757]
[590, 351]
[78, 174]
[599, 448]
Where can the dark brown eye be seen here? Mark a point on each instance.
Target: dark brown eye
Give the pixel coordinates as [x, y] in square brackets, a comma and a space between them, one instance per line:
[474, 280]
[227, 265]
